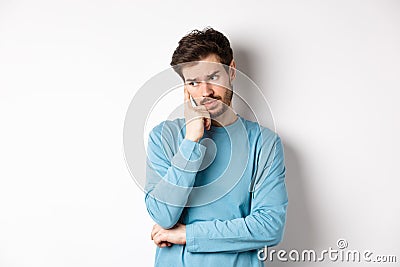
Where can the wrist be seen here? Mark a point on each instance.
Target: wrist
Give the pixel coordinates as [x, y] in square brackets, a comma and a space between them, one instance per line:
[193, 139]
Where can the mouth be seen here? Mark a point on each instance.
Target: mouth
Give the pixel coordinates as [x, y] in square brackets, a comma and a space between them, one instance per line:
[210, 103]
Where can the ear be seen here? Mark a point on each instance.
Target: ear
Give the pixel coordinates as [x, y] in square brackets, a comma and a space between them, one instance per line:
[232, 70]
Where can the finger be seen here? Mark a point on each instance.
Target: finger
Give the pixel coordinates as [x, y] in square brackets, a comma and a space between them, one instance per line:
[207, 122]
[157, 244]
[197, 114]
[202, 111]
[153, 231]
[186, 95]
[161, 244]
[200, 108]
[164, 245]
[206, 115]
[157, 241]
[203, 117]
[186, 100]
[159, 238]
[156, 229]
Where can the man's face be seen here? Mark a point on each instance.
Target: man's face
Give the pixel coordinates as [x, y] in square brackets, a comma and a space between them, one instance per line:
[209, 84]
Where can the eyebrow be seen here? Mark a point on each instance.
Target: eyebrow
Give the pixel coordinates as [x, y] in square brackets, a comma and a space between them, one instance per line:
[208, 76]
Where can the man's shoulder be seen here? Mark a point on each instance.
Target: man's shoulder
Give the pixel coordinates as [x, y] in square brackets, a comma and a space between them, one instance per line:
[256, 130]
[263, 138]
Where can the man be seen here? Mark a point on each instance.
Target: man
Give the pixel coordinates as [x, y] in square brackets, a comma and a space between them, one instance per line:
[215, 182]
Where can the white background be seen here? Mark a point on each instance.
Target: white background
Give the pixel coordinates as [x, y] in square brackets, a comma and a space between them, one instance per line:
[69, 69]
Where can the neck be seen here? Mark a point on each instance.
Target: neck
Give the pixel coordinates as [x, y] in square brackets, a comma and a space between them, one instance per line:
[225, 119]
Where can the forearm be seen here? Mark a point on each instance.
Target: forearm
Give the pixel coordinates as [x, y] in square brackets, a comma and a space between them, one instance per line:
[264, 228]
[168, 187]
[165, 201]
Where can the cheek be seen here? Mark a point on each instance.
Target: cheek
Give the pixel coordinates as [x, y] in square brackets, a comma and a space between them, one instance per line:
[222, 92]
[195, 94]
[223, 82]
[222, 86]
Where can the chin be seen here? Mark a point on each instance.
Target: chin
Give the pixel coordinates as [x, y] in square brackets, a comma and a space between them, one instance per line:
[217, 112]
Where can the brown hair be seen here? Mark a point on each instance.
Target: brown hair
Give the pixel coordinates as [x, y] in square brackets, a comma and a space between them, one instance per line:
[199, 44]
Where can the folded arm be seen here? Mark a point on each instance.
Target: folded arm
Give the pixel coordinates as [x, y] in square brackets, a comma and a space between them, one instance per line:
[264, 226]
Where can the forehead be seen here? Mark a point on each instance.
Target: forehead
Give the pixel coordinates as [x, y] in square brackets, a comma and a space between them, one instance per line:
[200, 69]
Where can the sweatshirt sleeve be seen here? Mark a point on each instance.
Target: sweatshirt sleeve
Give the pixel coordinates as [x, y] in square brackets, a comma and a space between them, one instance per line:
[170, 175]
[264, 226]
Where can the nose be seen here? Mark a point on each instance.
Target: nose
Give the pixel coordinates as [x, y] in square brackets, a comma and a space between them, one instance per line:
[206, 89]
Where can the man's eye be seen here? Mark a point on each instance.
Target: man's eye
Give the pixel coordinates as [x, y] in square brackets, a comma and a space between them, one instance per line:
[194, 84]
[214, 77]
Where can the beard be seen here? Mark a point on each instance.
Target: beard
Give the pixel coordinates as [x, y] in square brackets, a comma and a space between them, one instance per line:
[222, 105]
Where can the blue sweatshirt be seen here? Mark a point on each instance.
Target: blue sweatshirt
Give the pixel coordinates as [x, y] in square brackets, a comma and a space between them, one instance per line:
[228, 189]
